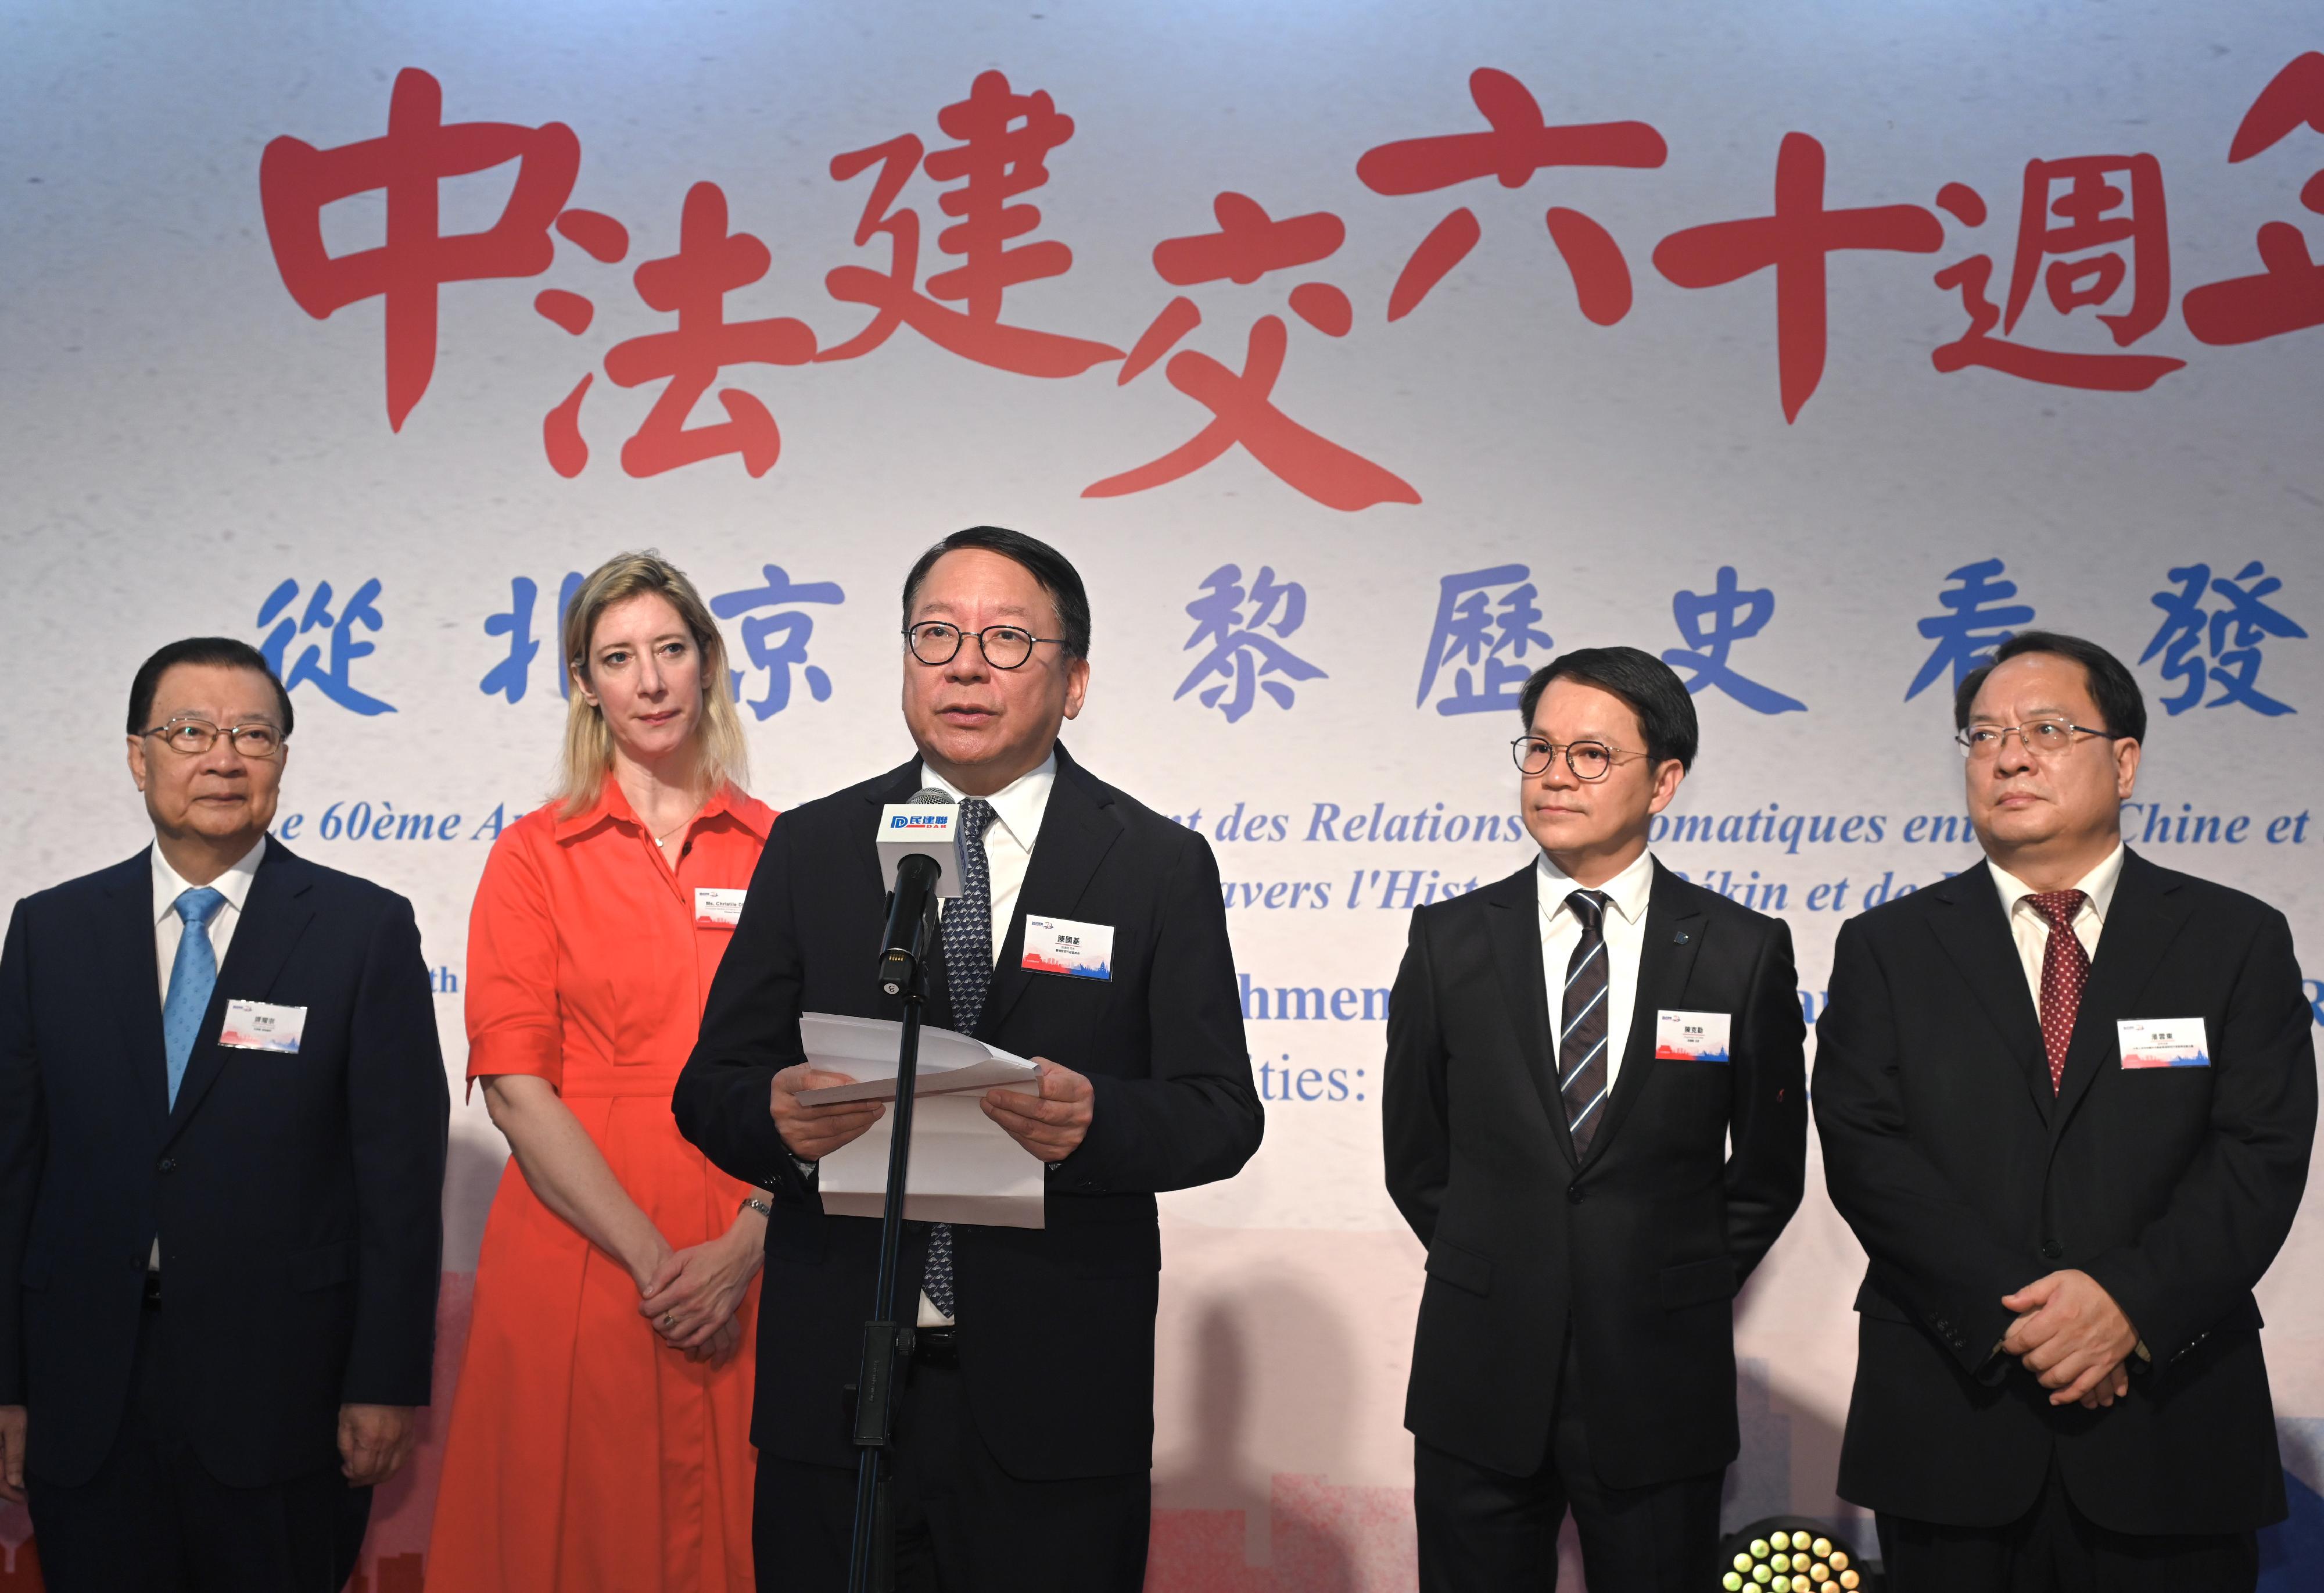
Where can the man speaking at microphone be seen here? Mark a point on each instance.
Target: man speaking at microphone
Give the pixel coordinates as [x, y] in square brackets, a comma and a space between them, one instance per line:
[1024, 1442]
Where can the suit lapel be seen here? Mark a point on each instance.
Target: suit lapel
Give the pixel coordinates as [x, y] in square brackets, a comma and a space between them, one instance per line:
[1673, 934]
[1077, 833]
[1975, 934]
[2144, 917]
[1514, 925]
[128, 945]
[274, 916]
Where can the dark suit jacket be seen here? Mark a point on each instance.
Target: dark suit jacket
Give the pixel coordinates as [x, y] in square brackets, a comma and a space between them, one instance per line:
[1056, 1324]
[298, 1196]
[1966, 1181]
[1639, 1248]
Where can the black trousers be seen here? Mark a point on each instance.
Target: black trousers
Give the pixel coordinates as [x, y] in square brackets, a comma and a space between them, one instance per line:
[964, 1524]
[153, 1520]
[2054, 1548]
[1483, 1531]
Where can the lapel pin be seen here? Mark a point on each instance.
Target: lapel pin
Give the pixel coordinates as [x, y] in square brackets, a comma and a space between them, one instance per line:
[1679, 939]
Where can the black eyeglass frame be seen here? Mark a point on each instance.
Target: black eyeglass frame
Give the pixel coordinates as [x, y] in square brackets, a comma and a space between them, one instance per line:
[960, 636]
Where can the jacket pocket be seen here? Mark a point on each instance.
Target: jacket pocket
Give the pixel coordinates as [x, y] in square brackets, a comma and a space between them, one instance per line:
[1871, 1303]
[1696, 1283]
[1463, 1269]
[323, 1267]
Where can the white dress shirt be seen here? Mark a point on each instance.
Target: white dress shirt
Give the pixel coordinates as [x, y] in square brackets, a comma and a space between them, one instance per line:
[2031, 930]
[1015, 824]
[1016, 810]
[1624, 927]
[169, 929]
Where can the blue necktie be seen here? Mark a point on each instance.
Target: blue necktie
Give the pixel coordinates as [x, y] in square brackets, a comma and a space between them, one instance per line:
[192, 977]
[968, 973]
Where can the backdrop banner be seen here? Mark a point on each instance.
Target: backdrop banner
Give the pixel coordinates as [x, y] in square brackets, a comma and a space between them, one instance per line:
[1363, 357]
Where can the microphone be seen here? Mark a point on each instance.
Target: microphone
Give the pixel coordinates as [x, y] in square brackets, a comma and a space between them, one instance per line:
[918, 843]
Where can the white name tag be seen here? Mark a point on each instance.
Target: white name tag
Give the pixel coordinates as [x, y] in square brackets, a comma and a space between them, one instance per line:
[717, 905]
[2163, 1042]
[260, 1026]
[1692, 1037]
[1061, 946]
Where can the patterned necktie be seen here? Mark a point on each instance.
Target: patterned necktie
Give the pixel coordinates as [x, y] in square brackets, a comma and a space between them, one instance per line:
[2065, 969]
[192, 977]
[1582, 1038]
[968, 973]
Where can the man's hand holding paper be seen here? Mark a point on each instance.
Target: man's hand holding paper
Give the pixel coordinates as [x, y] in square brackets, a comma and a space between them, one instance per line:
[1051, 1124]
[814, 1131]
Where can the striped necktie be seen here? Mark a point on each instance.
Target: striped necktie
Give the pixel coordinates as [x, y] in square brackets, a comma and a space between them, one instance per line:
[1582, 1036]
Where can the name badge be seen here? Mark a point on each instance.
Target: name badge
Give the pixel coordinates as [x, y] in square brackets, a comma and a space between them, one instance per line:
[2163, 1042]
[717, 907]
[1690, 1037]
[260, 1026]
[1061, 946]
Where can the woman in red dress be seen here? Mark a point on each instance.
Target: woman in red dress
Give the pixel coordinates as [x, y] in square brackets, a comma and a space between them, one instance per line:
[599, 1434]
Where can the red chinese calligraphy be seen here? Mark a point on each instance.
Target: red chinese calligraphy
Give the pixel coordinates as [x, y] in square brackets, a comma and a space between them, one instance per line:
[1797, 240]
[1006, 139]
[2287, 294]
[1521, 143]
[2096, 215]
[1248, 245]
[693, 284]
[296, 180]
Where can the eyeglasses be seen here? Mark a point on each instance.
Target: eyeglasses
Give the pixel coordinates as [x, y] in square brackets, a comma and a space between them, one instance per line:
[195, 736]
[2040, 738]
[1590, 761]
[1005, 647]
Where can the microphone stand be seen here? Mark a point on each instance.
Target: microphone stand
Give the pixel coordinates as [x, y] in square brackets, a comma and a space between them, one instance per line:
[887, 1344]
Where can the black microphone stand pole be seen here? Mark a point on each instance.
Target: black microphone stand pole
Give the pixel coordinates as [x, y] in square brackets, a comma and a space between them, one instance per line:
[887, 1344]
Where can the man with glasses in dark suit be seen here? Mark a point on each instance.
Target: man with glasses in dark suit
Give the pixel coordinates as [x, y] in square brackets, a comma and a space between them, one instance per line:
[2066, 1099]
[1595, 1119]
[1023, 1447]
[222, 1136]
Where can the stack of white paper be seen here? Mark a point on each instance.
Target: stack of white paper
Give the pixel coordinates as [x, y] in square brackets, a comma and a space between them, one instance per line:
[964, 1169]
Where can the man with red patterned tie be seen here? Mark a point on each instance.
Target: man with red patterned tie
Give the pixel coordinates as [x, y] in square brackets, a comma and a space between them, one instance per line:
[2066, 1102]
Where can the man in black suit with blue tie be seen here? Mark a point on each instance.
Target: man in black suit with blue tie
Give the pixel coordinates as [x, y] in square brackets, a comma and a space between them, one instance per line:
[222, 1134]
[1024, 1445]
[1595, 1119]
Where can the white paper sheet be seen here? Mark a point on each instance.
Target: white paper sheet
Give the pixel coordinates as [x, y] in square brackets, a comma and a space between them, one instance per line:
[964, 1169]
[865, 1049]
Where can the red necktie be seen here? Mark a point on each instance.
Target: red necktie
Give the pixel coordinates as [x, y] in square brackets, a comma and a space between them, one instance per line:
[2065, 969]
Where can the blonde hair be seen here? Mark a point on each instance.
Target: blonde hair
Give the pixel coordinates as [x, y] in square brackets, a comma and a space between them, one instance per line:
[721, 757]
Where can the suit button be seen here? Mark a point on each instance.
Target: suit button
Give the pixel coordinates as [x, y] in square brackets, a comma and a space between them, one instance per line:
[2052, 1249]
[1573, 1194]
[167, 1164]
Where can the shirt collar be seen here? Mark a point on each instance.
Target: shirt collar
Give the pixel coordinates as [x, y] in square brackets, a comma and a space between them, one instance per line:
[234, 885]
[1018, 805]
[1625, 893]
[613, 805]
[2098, 884]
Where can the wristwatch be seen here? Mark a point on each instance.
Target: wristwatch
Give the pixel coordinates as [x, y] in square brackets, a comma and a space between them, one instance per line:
[754, 1203]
